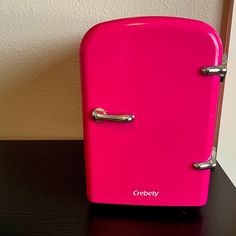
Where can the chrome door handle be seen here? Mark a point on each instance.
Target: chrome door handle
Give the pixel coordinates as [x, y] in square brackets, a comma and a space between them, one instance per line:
[100, 114]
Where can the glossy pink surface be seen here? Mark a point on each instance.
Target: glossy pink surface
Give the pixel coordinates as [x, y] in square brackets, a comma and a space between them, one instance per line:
[149, 67]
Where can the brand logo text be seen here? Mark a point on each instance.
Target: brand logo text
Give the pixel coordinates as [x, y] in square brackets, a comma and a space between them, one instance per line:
[145, 193]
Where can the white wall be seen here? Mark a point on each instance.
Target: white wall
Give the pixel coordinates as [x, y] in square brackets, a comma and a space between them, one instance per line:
[39, 70]
[227, 138]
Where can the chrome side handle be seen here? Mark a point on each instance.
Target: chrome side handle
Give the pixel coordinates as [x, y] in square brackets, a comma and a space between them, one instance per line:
[100, 114]
[211, 164]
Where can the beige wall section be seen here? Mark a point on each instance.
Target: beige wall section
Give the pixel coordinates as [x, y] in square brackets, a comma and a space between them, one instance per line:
[39, 69]
[227, 138]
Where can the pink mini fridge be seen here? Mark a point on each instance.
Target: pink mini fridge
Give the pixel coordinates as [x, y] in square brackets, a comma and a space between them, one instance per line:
[150, 88]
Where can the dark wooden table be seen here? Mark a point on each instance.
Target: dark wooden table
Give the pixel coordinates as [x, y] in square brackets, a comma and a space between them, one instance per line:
[42, 192]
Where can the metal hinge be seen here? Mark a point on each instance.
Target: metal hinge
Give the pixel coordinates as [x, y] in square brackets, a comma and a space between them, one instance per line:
[220, 70]
[211, 164]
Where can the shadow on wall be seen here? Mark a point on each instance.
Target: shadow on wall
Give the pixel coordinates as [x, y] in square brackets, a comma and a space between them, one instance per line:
[40, 93]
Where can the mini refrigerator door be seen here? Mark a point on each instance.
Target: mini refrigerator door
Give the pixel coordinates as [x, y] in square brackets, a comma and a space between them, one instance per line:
[149, 113]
